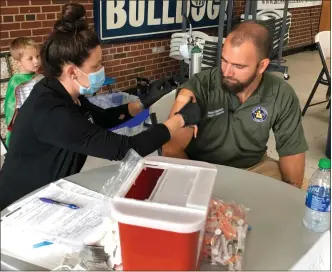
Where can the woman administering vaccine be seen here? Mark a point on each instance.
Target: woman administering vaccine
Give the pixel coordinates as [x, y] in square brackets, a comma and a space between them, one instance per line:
[58, 127]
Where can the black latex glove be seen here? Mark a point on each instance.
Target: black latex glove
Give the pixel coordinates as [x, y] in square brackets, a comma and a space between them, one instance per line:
[156, 90]
[191, 114]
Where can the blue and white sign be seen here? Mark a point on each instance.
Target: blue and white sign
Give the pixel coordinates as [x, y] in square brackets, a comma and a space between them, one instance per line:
[119, 20]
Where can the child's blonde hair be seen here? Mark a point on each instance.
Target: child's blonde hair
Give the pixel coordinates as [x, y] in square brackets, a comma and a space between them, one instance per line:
[19, 44]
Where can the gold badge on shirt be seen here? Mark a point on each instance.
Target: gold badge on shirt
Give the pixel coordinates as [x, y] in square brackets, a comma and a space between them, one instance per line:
[259, 114]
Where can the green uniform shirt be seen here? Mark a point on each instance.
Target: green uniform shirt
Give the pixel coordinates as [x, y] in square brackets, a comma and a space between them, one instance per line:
[236, 134]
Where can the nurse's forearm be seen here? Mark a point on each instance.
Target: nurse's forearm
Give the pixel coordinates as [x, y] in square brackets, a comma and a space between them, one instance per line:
[180, 140]
[292, 169]
[144, 143]
[115, 116]
[174, 123]
[114, 146]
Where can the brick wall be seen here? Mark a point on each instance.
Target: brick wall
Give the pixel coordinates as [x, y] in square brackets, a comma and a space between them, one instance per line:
[305, 25]
[125, 61]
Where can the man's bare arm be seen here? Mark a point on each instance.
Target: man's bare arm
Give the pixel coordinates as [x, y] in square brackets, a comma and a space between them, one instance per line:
[180, 140]
[292, 168]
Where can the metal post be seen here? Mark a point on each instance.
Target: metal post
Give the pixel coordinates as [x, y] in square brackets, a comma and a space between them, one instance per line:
[184, 29]
[221, 30]
[282, 34]
[229, 15]
[247, 10]
[254, 9]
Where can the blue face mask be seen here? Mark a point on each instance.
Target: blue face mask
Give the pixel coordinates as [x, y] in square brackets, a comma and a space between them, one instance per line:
[96, 81]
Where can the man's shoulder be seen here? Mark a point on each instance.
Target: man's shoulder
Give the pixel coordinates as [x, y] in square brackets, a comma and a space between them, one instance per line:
[284, 96]
[206, 79]
[208, 74]
[278, 86]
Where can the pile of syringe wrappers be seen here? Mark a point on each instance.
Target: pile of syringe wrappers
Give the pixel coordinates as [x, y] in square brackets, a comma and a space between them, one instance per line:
[225, 235]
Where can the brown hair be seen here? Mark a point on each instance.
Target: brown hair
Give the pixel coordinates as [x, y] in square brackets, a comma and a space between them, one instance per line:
[70, 42]
[19, 44]
[254, 32]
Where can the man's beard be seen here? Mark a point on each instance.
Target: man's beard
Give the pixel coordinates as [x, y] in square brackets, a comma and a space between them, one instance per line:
[237, 86]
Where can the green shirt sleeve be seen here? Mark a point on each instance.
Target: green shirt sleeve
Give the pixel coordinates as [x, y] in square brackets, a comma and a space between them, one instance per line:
[287, 127]
[200, 84]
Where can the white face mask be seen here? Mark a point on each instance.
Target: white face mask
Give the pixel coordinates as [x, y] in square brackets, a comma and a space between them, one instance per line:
[96, 81]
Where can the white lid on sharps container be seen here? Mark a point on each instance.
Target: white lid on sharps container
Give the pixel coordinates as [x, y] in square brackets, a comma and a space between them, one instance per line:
[179, 199]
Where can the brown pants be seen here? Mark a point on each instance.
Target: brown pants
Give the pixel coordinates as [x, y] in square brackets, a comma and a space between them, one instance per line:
[270, 168]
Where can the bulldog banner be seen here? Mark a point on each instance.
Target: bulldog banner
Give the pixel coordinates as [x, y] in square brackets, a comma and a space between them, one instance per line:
[119, 20]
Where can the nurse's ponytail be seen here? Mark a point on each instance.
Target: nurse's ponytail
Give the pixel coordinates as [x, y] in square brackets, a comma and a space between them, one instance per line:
[73, 19]
[70, 42]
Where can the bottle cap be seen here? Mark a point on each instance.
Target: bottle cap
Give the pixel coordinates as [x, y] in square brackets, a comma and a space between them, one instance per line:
[324, 163]
[217, 232]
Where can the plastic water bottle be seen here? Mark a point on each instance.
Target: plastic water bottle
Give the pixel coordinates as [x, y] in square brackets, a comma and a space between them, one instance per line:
[318, 199]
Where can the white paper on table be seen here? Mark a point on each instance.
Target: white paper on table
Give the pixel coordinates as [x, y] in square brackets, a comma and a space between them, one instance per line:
[63, 184]
[105, 201]
[37, 221]
[19, 245]
[20, 203]
[318, 258]
[58, 223]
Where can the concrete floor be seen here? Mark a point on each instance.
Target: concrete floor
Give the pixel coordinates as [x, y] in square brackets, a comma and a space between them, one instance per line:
[304, 69]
